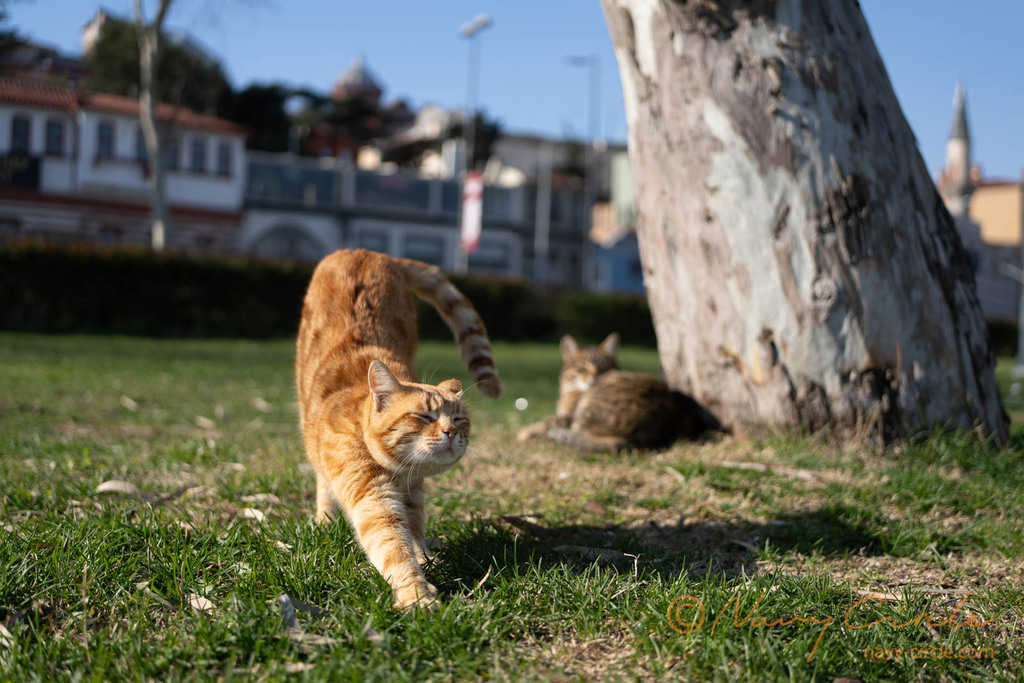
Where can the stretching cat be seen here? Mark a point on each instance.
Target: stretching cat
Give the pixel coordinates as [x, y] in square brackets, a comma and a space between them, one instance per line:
[603, 408]
[371, 431]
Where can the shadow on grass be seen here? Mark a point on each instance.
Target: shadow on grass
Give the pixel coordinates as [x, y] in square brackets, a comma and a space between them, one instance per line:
[699, 548]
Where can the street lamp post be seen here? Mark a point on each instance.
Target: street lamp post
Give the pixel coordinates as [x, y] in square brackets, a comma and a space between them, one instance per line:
[470, 30]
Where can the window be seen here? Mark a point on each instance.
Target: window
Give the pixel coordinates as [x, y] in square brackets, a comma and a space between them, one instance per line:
[19, 135]
[171, 154]
[198, 156]
[141, 153]
[427, 249]
[105, 141]
[223, 160]
[373, 240]
[494, 257]
[54, 138]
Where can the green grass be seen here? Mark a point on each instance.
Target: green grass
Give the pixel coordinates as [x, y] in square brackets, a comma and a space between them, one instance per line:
[99, 586]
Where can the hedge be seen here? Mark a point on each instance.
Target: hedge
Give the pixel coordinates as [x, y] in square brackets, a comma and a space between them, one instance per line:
[136, 292]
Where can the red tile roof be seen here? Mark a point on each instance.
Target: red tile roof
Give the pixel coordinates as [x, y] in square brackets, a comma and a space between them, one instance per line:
[49, 96]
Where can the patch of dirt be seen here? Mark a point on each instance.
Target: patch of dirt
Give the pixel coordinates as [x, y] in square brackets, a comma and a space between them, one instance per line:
[884, 574]
[566, 657]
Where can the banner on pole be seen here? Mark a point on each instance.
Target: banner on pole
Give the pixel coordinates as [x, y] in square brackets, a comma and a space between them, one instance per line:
[472, 210]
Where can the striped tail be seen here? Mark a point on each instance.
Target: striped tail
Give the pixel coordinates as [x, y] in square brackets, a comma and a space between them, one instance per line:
[458, 313]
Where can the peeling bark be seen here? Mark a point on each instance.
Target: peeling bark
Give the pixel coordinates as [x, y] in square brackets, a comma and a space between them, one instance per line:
[801, 268]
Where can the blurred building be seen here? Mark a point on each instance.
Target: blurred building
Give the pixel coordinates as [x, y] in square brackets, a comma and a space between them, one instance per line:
[988, 214]
[358, 81]
[74, 169]
[302, 208]
[614, 250]
[93, 30]
[42, 62]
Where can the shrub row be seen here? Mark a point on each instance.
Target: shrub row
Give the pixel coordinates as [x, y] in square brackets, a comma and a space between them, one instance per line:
[99, 291]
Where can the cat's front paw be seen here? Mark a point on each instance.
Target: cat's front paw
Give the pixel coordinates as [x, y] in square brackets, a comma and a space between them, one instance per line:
[534, 431]
[417, 595]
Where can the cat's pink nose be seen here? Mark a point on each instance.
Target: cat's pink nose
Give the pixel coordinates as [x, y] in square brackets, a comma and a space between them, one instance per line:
[450, 433]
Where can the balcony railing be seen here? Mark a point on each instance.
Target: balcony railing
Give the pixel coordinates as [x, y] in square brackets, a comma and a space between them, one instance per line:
[322, 184]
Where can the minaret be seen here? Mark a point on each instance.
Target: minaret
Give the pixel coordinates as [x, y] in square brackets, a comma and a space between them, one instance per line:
[957, 186]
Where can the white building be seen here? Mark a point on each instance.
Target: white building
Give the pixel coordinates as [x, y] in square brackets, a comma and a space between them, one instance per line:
[74, 168]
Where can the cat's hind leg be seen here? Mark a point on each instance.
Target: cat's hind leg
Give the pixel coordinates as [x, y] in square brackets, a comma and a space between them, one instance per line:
[585, 441]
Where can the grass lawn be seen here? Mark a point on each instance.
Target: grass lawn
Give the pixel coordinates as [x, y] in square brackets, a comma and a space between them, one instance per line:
[781, 558]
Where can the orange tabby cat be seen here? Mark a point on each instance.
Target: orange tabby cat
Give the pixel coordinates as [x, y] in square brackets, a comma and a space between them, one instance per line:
[371, 431]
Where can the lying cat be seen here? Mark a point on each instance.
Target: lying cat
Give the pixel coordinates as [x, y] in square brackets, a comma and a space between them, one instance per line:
[603, 408]
[371, 431]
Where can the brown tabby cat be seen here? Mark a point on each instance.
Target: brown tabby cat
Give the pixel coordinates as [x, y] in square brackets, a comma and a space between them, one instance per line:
[603, 408]
[580, 369]
[371, 431]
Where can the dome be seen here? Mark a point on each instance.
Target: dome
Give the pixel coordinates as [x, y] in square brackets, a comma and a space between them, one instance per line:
[357, 80]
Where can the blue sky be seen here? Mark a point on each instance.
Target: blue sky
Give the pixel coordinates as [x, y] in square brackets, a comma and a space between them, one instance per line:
[414, 48]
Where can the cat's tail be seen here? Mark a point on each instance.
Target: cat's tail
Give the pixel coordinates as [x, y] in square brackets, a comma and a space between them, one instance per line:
[458, 313]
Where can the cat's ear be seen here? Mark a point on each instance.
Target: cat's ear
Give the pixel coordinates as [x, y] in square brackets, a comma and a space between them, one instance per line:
[452, 386]
[382, 384]
[569, 347]
[611, 344]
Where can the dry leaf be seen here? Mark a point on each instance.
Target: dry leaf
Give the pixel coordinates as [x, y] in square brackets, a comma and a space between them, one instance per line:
[260, 405]
[205, 422]
[199, 603]
[480, 583]
[675, 474]
[253, 513]
[743, 544]
[6, 638]
[129, 404]
[298, 667]
[283, 547]
[201, 492]
[880, 597]
[268, 498]
[118, 486]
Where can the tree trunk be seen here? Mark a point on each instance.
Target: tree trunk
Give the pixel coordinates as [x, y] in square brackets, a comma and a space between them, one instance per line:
[150, 36]
[802, 270]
